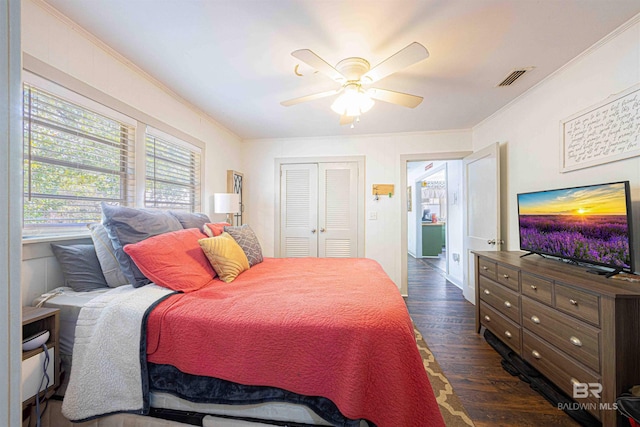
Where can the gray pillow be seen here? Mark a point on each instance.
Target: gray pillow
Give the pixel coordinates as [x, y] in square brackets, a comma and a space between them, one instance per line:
[80, 267]
[248, 241]
[106, 256]
[191, 220]
[128, 225]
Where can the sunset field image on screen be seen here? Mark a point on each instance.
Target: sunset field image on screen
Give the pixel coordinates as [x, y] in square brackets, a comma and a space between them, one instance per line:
[586, 224]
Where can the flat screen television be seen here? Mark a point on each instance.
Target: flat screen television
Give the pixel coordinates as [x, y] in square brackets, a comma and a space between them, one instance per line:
[589, 224]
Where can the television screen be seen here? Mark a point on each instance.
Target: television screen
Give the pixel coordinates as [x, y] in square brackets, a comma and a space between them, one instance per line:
[590, 224]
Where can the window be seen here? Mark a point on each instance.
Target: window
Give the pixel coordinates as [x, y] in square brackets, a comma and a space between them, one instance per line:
[172, 173]
[74, 158]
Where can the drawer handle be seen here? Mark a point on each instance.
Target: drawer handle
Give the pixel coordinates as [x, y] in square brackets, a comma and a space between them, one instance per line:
[575, 341]
[487, 292]
[487, 318]
[535, 354]
[534, 287]
[574, 381]
[506, 276]
[573, 302]
[535, 319]
[507, 334]
[484, 267]
[507, 304]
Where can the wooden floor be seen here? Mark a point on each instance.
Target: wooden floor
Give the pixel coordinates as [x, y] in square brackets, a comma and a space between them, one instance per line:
[491, 396]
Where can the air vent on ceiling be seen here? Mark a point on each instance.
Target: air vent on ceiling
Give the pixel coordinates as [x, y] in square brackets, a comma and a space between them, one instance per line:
[513, 76]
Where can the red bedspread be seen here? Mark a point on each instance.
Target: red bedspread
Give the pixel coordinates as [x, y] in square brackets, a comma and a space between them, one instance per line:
[336, 328]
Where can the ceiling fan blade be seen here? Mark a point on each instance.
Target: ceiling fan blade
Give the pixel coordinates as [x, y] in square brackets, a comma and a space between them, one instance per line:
[313, 60]
[411, 54]
[346, 120]
[399, 98]
[306, 98]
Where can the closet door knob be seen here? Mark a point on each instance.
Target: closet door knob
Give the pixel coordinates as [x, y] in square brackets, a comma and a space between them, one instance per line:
[313, 231]
[322, 230]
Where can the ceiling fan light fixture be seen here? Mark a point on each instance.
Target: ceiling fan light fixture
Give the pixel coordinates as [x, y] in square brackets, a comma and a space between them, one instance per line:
[352, 102]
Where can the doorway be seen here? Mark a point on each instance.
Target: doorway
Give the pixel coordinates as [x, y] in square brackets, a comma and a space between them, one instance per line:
[434, 220]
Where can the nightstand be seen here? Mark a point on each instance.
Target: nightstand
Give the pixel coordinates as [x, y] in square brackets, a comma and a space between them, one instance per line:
[35, 320]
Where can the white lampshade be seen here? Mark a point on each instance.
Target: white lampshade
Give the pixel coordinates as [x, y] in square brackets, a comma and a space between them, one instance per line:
[353, 102]
[226, 203]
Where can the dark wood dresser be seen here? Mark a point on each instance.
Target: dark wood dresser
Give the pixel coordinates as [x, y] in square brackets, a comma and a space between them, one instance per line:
[572, 326]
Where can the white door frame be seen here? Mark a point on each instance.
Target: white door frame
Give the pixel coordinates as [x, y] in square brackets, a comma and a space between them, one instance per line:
[404, 159]
[360, 160]
[10, 214]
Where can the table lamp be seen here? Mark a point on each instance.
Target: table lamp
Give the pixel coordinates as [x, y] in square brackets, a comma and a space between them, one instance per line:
[226, 203]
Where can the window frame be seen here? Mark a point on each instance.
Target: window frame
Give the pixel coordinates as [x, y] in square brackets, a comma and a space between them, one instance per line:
[168, 138]
[51, 79]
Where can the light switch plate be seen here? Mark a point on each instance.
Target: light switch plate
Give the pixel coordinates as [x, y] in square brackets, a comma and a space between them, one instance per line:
[373, 215]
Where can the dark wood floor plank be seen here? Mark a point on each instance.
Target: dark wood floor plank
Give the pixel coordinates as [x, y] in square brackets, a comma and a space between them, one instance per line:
[446, 320]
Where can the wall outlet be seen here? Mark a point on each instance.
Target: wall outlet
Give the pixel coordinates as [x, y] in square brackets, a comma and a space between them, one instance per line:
[373, 215]
[456, 257]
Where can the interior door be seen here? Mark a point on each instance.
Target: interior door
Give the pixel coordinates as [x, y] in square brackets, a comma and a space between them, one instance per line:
[338, 210]
[482, 213]
[299, 210]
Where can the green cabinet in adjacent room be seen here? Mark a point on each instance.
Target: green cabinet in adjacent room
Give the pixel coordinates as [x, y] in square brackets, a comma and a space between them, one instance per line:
[433, 238]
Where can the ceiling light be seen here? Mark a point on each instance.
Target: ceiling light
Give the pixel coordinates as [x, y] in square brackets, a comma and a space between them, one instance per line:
[353, 101]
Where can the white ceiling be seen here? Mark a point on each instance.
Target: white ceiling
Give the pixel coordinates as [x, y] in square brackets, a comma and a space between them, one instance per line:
[232, 58]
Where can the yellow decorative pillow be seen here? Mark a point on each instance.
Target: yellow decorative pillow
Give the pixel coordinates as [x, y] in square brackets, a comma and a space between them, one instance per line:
[225, 255]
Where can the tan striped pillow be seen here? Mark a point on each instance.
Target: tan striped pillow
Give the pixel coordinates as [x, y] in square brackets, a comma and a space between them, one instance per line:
[225, 255]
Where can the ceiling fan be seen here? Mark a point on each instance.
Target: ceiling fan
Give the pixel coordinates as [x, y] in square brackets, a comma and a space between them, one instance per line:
[354, 74]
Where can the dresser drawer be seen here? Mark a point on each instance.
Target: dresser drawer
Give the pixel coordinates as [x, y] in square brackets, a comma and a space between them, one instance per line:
[560, 369]
[510, 277]
[570, 335]
[487, 268]
[503, 328]
[578, 303]
[502, 299]
[536, 288]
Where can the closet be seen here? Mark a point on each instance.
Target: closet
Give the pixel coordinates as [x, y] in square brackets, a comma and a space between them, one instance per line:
[319, 210]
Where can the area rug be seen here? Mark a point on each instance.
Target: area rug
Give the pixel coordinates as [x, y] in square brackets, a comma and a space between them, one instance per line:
[451, 408]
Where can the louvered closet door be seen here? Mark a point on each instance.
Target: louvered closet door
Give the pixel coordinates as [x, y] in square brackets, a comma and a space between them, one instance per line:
[338, 210]
[299, 210]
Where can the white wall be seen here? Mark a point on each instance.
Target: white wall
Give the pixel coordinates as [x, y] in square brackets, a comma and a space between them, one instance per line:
[382, 154]
[528, 129]
[52, 38]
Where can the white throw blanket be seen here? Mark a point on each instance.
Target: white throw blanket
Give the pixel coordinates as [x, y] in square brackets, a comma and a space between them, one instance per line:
[106, 373]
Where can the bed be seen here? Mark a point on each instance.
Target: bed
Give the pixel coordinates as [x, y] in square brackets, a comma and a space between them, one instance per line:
[308, 340]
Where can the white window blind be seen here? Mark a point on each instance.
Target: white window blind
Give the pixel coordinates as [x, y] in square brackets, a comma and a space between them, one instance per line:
[172, 173]
[74, 158]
